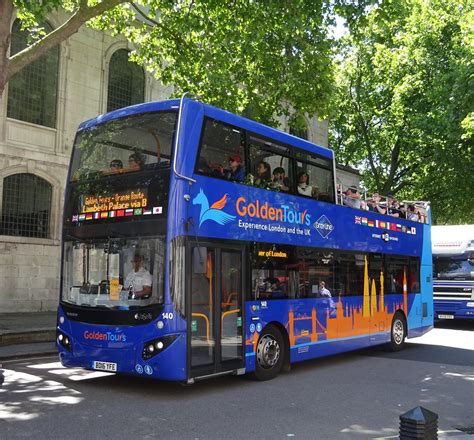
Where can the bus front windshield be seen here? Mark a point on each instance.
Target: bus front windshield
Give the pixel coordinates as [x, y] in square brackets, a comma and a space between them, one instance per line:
[459, 267]
[115, 273]
[124, 145]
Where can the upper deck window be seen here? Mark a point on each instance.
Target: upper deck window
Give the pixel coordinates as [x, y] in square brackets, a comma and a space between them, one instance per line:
[270, 165]
[222, 152]
[230, 153]
[124, 145]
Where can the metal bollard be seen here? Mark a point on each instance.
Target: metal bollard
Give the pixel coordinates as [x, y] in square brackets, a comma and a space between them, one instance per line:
[419, 423]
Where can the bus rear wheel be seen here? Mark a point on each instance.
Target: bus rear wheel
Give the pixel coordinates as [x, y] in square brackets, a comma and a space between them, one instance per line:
[270, 355]
[398, 332]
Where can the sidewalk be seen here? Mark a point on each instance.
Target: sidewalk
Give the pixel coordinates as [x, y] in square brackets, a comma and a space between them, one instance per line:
[26, 334]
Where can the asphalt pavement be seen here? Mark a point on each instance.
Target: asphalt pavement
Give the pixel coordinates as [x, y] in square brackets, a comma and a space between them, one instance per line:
[357, 395]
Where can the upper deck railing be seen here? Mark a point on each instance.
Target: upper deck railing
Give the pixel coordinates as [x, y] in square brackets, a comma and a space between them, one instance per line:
[416, 211]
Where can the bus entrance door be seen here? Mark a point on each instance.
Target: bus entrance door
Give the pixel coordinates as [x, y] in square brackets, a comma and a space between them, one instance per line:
[216, 316]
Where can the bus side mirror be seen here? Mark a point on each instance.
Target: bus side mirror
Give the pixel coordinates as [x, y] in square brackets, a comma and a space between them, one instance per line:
[199, 260]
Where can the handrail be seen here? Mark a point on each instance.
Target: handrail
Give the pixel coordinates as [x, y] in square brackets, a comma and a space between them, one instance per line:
[229, 312]
[178, 131]
[206, 320]
[423, 206]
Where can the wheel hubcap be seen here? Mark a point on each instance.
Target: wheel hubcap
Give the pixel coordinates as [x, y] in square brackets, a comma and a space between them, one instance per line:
[397, 331]
[268, 352]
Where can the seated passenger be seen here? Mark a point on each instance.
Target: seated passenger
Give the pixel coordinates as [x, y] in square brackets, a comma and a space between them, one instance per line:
[279, 181]
[304, 188]
[203, 166]
[374, 204]
[325, 293]
[263, 174]
[236, 171]
[135, 162]
[352, 198]
[116, 166]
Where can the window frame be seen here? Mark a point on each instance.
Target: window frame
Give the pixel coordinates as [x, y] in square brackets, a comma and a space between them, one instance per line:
[293, 155]
[289, 154]
[51, 211]
[200, 147]
[43, 58]
[108, 85]
[296, 255]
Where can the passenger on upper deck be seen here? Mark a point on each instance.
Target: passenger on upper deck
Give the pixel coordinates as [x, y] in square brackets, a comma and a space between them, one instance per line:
[392, 206]
[374, 204]
[352, 198]
[279, 181]
[116, 166]
[411, 214]
[304, 188]
[236, 171]
[135, 162]
[263, 174]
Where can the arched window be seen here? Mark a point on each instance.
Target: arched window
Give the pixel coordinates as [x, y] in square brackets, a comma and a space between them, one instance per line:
[126, 82]
[32, 92]
[26, 206]
[298, 127]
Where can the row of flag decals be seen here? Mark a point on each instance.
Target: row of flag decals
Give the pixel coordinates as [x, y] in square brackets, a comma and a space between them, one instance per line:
[118, 213]
[382, 224]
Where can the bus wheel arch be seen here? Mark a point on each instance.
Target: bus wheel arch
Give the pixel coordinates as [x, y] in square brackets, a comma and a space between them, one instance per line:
[272, 353]
[398, 331]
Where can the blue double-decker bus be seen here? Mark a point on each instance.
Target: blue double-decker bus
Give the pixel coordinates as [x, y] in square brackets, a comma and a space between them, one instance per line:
[198, 243]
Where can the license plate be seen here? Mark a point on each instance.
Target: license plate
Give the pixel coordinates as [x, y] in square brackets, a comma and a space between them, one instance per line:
[445, 316]
[104, 366]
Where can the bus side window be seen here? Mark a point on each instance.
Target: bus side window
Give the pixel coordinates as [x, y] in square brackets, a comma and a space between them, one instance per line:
[221, 153]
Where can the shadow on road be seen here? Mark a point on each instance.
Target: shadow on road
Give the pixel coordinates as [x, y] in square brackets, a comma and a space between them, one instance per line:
[456, 324]
[435, 354]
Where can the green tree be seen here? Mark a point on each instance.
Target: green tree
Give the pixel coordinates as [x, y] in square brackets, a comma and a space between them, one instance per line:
[268, 54]
[405, 103]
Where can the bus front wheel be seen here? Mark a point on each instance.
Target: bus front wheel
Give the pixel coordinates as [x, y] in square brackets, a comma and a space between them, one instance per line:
[270, 355]
[398, 332]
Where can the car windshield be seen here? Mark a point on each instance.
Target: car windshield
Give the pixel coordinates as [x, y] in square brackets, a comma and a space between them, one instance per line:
[114, 273]
[450, 267]
[124, 145]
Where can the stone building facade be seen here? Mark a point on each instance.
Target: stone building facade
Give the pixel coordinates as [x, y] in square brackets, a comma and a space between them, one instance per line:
[34, 158]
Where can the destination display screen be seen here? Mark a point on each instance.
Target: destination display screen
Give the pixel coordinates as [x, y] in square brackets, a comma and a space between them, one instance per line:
[118, 199]
[132, 203]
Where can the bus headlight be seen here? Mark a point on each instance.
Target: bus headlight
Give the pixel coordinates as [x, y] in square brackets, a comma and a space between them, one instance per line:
[156, 346]
[64, 341]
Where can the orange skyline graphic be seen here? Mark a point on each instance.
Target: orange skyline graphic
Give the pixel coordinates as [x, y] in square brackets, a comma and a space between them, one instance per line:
[348, 320]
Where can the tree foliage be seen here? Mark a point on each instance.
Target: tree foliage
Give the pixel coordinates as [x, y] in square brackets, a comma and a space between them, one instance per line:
[405, 103]
[267, 54]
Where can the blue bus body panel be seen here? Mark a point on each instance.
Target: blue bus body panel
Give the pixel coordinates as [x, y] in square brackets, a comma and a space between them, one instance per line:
[247, 215]
[123, 345]
[317, 327]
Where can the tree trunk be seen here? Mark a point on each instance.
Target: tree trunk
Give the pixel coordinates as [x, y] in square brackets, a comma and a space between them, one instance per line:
[6, 14]
[13, 65]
